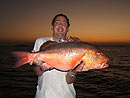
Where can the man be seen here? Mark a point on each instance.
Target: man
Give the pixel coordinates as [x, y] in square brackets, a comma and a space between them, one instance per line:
[54, 83]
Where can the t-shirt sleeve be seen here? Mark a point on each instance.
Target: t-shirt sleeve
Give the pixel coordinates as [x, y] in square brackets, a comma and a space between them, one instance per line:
[39, 42]
[36, 45]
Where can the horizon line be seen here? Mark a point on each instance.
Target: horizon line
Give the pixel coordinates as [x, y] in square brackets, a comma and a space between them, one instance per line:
[94, 43]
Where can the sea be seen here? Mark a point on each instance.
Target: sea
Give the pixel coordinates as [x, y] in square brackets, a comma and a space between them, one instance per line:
[111, 82]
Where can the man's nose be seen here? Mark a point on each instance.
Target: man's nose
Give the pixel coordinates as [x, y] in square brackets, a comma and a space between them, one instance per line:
[61, 24]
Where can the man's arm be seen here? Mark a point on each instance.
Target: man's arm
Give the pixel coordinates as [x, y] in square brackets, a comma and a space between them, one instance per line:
[71, 75]
[36, 63]
[36, 67]
[37, 70]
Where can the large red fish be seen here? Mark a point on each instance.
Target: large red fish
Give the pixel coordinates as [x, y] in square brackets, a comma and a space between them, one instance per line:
[66, 56]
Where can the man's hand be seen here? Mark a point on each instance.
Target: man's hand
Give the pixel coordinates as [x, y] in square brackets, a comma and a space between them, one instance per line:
[31, 62]
[36, 61]
[71, 75]
[80, 67]
[36, 66]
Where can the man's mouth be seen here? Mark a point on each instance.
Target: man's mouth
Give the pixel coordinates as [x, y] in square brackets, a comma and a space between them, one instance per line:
[60, 29]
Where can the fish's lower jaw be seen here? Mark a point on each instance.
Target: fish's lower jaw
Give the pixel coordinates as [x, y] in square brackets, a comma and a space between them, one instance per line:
[105, 65]
[99, 66]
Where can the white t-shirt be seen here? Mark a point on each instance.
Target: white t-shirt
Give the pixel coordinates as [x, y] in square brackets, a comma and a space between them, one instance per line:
[52, 84]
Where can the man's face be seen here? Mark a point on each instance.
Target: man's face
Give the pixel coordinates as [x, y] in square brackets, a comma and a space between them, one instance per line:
[60, 27]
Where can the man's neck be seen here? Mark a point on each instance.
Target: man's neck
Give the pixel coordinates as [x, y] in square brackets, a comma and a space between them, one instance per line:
[57, 38]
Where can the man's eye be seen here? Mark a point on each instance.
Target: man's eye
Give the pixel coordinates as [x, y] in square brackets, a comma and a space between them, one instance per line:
[56, 22]
[64, 24]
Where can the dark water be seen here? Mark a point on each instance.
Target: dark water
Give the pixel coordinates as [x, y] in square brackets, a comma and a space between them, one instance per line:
[112, 82]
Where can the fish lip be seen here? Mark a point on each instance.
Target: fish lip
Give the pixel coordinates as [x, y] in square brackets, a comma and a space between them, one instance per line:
[104, 64]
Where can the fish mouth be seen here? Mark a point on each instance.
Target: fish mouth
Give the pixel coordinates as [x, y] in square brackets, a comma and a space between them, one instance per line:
[104, 64]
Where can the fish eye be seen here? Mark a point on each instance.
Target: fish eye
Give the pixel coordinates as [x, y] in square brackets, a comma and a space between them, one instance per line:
[98, 53]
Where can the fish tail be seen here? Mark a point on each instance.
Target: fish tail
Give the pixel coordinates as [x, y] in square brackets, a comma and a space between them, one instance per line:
[22, 58]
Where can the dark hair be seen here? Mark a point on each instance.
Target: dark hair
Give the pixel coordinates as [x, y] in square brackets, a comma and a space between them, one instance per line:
[54, 19]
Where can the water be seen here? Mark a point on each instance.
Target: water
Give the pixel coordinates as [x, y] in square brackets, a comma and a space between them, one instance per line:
[112, 82]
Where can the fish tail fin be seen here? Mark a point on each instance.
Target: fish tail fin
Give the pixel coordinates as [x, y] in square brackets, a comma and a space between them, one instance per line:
[22, 58]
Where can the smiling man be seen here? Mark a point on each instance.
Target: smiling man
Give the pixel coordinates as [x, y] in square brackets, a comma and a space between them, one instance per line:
[54, 83]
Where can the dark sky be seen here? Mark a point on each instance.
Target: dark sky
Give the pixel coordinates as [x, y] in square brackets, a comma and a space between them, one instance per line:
[91, 20]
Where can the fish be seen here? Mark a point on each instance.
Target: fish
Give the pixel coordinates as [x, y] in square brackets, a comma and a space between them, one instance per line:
[66, 56]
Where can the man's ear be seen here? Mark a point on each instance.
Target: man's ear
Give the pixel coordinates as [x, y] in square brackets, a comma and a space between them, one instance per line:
[52, 27]
[67, 29]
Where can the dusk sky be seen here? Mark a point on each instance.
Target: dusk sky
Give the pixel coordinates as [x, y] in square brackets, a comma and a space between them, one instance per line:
[100, 21]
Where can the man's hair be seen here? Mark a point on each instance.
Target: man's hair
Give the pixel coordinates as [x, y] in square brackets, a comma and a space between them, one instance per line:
[54, 19]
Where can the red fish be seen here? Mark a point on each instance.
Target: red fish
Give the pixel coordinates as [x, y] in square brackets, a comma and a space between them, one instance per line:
[66, 56]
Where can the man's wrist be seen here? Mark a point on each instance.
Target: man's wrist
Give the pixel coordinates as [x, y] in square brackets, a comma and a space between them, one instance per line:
[72, 74]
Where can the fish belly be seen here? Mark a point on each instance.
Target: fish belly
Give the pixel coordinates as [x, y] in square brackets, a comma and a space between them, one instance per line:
[62, 60]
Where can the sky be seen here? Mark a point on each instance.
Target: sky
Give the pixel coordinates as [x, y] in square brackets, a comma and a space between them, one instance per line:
[94, 21]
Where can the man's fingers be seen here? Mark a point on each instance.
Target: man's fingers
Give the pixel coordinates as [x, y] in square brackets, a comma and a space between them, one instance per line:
[81, 66]
[31, 62]
[32, 51]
